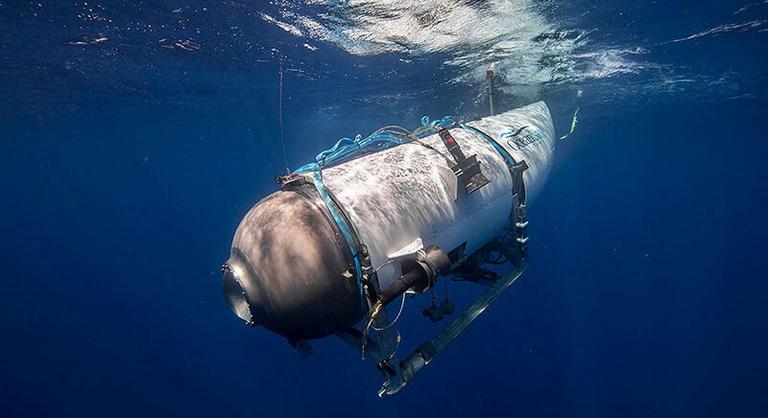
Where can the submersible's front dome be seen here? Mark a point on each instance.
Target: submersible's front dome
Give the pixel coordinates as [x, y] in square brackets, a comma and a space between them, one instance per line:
[289, 269]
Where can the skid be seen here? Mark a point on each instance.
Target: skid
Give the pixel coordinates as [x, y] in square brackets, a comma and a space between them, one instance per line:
[382, 350]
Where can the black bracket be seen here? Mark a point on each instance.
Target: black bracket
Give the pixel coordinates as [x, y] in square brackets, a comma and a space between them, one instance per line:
[290, 180]
[466, 169]
[520, 216]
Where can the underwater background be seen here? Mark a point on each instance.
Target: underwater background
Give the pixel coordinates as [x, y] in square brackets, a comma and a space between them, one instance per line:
[134, 135]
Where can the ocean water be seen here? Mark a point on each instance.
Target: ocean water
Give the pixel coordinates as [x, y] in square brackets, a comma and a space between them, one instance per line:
[134, 135]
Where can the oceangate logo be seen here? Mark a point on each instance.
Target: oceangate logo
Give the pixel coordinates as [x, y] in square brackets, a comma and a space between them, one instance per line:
[522, 137]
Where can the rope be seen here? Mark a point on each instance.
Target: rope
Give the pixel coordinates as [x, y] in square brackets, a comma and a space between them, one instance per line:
[394, 321]
[347, 149]
[374, 312]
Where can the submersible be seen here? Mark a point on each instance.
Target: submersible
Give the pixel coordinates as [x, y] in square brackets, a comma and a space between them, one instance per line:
[340, 240]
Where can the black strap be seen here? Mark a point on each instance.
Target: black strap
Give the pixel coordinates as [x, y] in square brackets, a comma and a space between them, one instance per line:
[466, 169]
[520, 215]
[516, 169]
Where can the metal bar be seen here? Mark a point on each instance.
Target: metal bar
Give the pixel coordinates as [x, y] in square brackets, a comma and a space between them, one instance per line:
[427, 351]
[354, 338]
[489, 75]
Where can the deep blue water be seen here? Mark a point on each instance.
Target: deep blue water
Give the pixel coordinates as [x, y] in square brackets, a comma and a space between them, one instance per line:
[135, 136]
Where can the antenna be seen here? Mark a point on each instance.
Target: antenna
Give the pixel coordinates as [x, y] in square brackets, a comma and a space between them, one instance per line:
[489, 75]
[280, 110]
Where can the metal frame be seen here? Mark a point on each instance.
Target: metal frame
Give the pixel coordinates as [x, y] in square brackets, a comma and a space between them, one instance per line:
[382, 349]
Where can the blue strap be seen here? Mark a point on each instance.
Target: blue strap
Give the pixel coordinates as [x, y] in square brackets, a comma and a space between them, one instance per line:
[507, 157]
[341, 222]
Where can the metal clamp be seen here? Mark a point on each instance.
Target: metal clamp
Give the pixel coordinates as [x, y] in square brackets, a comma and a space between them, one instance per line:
[466, 169]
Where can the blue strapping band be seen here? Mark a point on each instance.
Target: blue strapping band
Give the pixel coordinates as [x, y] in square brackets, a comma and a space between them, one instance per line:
[507, 157]
[341, 222]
